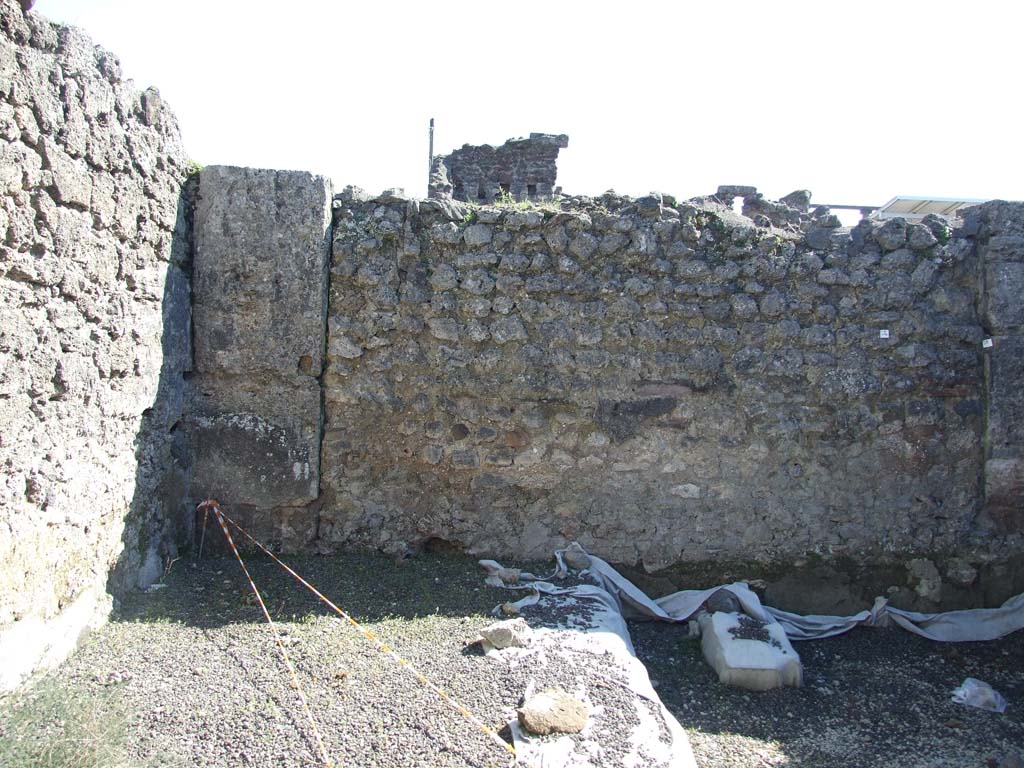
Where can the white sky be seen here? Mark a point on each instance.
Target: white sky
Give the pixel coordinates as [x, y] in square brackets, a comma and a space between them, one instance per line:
[856, 101]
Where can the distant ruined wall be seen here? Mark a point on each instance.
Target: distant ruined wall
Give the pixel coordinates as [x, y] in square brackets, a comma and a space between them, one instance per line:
[520, 169]
[94, 337]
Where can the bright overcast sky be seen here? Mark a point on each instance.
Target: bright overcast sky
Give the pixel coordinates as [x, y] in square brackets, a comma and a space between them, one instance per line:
[856, 101]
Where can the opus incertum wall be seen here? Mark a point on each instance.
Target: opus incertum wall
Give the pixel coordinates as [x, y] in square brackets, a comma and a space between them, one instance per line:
[664, 382]
[667, 383]
[660, 382]
[94, 337]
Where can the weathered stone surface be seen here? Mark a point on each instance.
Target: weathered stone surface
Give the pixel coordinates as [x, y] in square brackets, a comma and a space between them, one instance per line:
[553, 711]
[262, 249]
[511, 633]
[523, 169]
[674, 396]
[1004, 287]
[722, 600]
[94, 338]
[920, 237]
[262, 241]
[735, 190]
[1004, 493]
[997, 229]
[892, 235]
[1006, 396]
[925, 579]
[799, 199]
[36, 643]
[257, 448]
[575, 558]
[961, 572]
[821, 590]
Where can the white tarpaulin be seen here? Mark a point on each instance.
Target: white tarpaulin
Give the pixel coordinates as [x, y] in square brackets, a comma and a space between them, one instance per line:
[952, 626]
[600, 632]
[593, 634]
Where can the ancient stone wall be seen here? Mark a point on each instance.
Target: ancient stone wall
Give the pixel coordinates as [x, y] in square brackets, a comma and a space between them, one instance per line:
[662, 382]
[520, 169]
[999, 230]
[666, 382]
[94, 336]
[262, 249]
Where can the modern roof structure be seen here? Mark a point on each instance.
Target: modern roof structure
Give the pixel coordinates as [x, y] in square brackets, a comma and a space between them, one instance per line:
[913, 208]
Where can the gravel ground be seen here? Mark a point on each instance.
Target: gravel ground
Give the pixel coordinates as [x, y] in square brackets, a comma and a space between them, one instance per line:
[195, 666]
[871, 697]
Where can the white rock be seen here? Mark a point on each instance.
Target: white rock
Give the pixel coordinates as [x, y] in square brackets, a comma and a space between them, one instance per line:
[744, 662]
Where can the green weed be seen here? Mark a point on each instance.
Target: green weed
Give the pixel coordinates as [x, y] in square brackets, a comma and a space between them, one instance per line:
[55, 726]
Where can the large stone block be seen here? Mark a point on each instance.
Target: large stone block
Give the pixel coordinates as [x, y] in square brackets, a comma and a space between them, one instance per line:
[748, 653]
[262, 247]
[1004, 287]
[1006, 396]
[260, 312]
[1005, 248]
[258, 447]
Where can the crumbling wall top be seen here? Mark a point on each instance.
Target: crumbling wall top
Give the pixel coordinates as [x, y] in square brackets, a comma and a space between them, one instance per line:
[523, 169]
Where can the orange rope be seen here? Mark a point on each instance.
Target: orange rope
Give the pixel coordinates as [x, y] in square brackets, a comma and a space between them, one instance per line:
[210, 504]
[221, 516]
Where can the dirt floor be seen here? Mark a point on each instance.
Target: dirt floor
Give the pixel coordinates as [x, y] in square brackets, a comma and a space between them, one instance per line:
[188, 675]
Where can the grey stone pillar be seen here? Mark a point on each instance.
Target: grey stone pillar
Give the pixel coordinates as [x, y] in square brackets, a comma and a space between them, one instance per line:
[1001, 242]
[262, 249]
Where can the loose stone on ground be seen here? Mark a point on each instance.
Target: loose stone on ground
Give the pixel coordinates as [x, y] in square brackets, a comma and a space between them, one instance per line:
[552, 711]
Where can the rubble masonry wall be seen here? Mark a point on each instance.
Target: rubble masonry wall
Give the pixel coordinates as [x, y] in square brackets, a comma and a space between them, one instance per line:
[669, 382]
[94, 337]
[665, 382]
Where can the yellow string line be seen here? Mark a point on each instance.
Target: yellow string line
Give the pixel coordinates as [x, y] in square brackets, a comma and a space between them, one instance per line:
[273, 628]
[373, 638]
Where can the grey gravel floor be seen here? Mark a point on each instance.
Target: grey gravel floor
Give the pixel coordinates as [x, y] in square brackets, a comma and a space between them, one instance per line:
[871, 697]
[195, 665]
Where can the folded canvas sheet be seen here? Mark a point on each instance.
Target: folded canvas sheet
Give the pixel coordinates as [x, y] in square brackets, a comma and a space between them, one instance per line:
[952, 626]
[605, 635]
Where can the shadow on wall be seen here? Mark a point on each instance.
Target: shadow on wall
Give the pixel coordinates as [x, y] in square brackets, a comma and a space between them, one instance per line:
[94, 337]
[158, 524]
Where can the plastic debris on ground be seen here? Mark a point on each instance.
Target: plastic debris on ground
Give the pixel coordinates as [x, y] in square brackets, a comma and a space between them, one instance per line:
[977, 693]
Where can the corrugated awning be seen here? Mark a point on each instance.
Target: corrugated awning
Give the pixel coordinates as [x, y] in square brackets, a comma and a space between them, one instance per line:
[911, 208]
